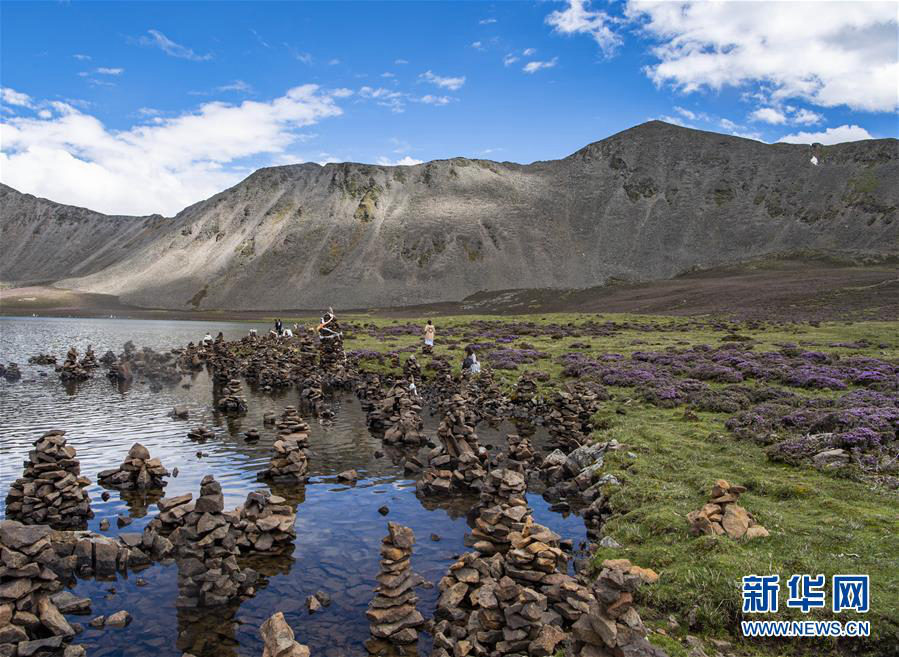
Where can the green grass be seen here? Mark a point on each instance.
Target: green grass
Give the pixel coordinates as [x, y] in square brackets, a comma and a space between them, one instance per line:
[819, 523]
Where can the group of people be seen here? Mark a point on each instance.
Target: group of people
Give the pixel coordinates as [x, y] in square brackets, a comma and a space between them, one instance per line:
[470, 364]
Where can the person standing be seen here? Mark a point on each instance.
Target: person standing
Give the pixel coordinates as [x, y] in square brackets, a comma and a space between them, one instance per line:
[279, 327]
[429, 332]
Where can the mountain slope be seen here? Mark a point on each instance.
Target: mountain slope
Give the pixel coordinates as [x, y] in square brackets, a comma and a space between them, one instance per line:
[648, 203]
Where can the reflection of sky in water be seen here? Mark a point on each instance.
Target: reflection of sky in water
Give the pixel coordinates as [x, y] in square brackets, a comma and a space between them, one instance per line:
[339, 529]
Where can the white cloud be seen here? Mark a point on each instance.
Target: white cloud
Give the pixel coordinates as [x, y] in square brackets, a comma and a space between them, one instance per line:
[400, 62]
[533, 67]
[333, 62]
[486, 21]
[529, 52]
[727, 124]
[104, 70]
[429, 99]
[81, 57]
[238, 85]
[394, 100]
[403, 162]
[387, 74]
[768, 115]
[477, 45]
[687, 114]
[445, 82]
[828, 53]
[72, 157]
[13, 97]
[342, 92]
[837, 135]
[803, 116]
[509, 59]
[169, 47]
[577, 18]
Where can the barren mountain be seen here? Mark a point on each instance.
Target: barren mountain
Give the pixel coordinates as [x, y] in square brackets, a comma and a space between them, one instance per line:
[648, 203]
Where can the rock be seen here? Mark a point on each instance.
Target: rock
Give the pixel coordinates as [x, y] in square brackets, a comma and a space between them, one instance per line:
[54, 621]
[384, 510]
[181, 412]
[547, 640]
[312, 604]
[118, 619]
[348, 475]
[279, 639]
[609, 542]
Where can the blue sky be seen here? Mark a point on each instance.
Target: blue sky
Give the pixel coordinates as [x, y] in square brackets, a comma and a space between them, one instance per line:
[139, 108]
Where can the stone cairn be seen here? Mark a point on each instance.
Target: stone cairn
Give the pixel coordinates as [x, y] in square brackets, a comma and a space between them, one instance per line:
[266, 524]
[172, 511]
[569, 422]
[201, 434]
[518, 455]
[11, 372]
[278, 639]
[396, 416]
[290, 461]
[30, 622]
[392, 614]
[50, 489]
[722, 515]
[455, 464]
[412, 370]
[137, 472]
[368, 390]
[89, 360]
[206, 549]
[330, 348]
[524, 397]
[71, 369]
[611, 624]
[232, 401]
[501, 511]
[42, 359]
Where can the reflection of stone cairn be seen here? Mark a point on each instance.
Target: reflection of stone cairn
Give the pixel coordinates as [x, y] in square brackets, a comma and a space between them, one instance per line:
[50, 490]
[722, 515]
[29, 619]
[412, 370]
[208, 573]
[232, 401]
[278, 638]
[394, 619]
[290, 460]
[611, 625]
[137, 472]
[266, 524]
[502, 510]
[71, 369]
[569, 420]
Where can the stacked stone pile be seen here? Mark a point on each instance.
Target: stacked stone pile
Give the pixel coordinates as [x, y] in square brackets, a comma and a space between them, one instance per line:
[501, 511]
[412, 370]
[722, 515]
[311, 392]
[137, 472]
[89, 360]
[206, 549]
[71, 369]
[534, 554]
[265, 524]
[611, 624]
[10, 372]
[488, 397]
[278, 639]
[575, 475]
[29, 619]
[172, 511]
[42, 359]
[455, 464]
[231, 400]
[407, 425]
[518, 455]
[290, 460]
[201, 434]
[368, 390]
[394, 620]
[569, 420]
[330, 348]
[50, 489]
[525, 394]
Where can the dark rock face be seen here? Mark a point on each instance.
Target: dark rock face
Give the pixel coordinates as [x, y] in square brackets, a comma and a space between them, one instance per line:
[645, 204]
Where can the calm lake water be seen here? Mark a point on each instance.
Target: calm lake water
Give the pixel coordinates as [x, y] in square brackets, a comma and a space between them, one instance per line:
[339, 528]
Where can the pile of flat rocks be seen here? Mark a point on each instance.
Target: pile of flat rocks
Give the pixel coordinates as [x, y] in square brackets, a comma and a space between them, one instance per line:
[278, 639]
[368, 390]
[265, 524]
[524, 397]
[50, 489]
[201, 434]
[290, 460]
[534, 553]
[42, 359]
[488, 397]
[231, 400]
[519, 455]
[89, 360]
[137, 472]
[722, 515]
[30, 622]
[206, 553]
[10, 372]
[172, 511]
[330, 348]
[611, 625]
[569, 420]
[71, 369]
[392, 615]
[399, 414]
[456, 463]
[502, 510]
[412, 370]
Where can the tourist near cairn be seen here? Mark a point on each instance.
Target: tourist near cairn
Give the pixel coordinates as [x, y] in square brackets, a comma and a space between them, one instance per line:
[395, 621]
[50, 489]
[428, 334]
[331, 354]
[137, 472]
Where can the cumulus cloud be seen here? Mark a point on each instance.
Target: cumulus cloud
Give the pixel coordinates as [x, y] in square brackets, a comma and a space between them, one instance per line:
[529, 52]
[509, 59]
[13, 97]
[169, 47]
[393, 100]
[533, 67]
[836, 135]
[828, 53]
[451, 83]
[402, 162]
[429, 99]
[578, 18]
[769, 115]
[71, 157]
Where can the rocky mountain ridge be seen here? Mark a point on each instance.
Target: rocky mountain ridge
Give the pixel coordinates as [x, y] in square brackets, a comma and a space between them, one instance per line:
[646, 204]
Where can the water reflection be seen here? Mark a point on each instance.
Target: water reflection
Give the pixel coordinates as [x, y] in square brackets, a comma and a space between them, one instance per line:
[339, 527]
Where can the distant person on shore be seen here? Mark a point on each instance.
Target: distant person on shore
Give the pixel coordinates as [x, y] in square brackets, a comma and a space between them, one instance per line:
[279, 326]
[207, 339]
[471, 365]
[429, 333]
